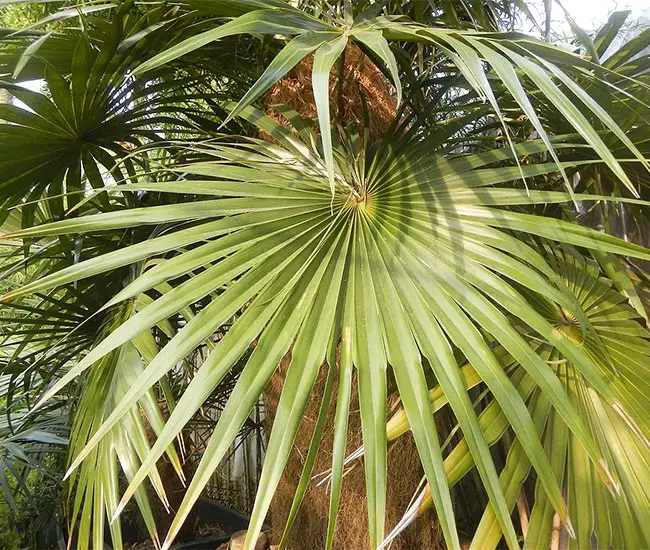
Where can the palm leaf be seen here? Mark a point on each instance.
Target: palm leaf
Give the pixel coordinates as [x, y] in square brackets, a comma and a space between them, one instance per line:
[401, 238]
[592, 508]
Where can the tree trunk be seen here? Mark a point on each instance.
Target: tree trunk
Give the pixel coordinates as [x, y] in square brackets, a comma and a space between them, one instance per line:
[310, 528]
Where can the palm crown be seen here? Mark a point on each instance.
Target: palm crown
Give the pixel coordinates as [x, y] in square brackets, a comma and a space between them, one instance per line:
[442, 261]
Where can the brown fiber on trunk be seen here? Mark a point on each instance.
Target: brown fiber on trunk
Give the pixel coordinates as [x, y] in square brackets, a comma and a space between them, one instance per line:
[310, 528]
[367, 100]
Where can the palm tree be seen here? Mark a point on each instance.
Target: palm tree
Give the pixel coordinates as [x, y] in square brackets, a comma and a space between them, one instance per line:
[445, 255]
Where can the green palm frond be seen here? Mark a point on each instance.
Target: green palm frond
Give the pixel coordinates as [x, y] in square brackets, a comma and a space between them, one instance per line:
[94, 122]
[620, 346]
[414, 255]
[95, 486]
[524, 66]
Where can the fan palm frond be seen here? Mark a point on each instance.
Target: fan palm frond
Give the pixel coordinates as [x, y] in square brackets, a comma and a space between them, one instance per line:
[619, 346]
[411, 255]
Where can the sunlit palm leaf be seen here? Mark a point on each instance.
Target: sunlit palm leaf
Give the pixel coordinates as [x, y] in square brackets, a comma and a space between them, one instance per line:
[96, 484]
[622, 346]
[417, 248]
[511, 56]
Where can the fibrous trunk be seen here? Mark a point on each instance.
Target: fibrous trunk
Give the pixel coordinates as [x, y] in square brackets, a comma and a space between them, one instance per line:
[310, 529]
